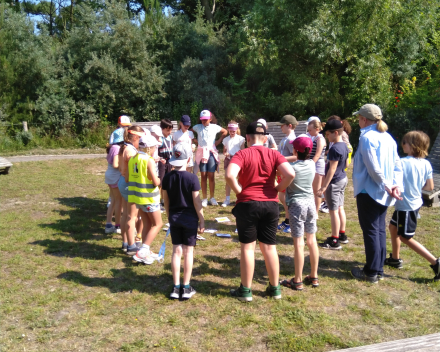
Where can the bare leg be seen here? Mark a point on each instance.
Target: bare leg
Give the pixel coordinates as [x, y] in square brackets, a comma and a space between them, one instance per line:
[314, 254]
[211, 177]
[131, 222]
[117, 199]
[298, 258]
[204, 179]
[342, 219]
[334, 218]
[175, 263]
[316, 185]
[110, 210]
[139, 225]
[395, 241]
[227, 190]
[282, 197]
[188, 259]
[272, 262]
[124, 220]
[247, 263]
[155, 224]
[419, 249]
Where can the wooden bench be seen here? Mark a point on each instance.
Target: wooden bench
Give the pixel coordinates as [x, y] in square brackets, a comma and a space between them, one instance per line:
[148, 125]
[274, 128]
[432, 198]
[5, 165]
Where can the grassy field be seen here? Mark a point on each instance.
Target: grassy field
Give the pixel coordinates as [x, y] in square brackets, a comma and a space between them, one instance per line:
[66, 286]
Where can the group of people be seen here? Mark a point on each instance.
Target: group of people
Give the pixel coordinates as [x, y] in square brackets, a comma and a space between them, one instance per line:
[150, 171]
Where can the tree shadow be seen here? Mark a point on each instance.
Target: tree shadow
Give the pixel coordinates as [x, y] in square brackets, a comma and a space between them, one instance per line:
[84, 221]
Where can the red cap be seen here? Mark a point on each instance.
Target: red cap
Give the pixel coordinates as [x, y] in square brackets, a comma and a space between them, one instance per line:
[302, 142]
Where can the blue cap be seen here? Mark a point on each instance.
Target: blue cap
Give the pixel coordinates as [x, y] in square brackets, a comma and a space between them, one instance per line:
[185, 119]
[118, 135]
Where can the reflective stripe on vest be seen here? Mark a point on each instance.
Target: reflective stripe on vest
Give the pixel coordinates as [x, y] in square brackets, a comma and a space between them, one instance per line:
[140, 189]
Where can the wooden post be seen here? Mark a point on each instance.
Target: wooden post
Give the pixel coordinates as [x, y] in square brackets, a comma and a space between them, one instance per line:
[25, 128]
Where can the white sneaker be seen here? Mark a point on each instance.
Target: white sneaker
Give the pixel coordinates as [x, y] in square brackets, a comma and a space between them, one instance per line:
[324, 208]
[204, 203]
[143, 255]
[118, 230]
[226, 202]
[213, 201]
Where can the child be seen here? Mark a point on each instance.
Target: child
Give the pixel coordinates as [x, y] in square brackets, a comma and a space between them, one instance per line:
[112, 176]
[207, 154]
[184, 211]
[165, 150]
[345, 133]
[183, 135]
[317, 155]
[129, 211]
[144, 192]
[334, 184]
[123, 121]
[301, 203]
[232, 144]
[270, 142]
[417, 176]
[288, 124]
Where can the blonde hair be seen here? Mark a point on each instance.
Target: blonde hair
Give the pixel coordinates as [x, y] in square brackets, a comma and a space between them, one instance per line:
[381, 126]
[316, 124]
[418, 142]
[238, 129]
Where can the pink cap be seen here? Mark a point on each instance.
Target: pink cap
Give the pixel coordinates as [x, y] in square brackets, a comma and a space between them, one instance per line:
[205, 115]
[233, 126]
[302, 142]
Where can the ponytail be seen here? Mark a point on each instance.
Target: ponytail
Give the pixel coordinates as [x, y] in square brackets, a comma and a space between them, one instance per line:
[381, 126]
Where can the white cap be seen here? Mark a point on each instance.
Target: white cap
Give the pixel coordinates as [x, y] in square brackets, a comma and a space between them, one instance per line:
[205, 115]
[312, 118]
[147, 131]
[156, 129]
[263, 121]
[148, 141]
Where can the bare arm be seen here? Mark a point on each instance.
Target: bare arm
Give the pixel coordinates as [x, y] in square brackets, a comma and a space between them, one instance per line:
[199, 210]
[320, 144]
[116, 161]
[287, 176]
[151, 172]
[225, 151]
[224, 133]
[429, 185]
[274, 147]
[331, 171]
[291, 159]
[231, 177]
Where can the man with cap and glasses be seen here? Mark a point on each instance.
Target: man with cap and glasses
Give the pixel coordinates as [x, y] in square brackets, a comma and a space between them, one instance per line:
[256, 209]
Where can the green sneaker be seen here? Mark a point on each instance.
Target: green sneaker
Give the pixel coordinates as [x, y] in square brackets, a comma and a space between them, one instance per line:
[274, 291]
[242, 293]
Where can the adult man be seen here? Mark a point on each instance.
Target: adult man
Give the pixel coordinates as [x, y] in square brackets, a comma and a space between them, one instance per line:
[257, 211]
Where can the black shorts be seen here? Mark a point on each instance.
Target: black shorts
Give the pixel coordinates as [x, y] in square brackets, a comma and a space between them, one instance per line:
[257, 220]
[163, 170]
[183, 235]
[406, 222]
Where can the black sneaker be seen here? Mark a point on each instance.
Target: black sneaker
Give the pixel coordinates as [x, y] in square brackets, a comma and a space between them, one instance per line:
[330, 243]
[187, 293]
[394, 263]
[175, 293]
[359, 274]
[343, 238]
[436, 268]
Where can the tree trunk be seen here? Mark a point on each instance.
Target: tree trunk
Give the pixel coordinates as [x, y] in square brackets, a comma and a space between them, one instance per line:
[207, 6]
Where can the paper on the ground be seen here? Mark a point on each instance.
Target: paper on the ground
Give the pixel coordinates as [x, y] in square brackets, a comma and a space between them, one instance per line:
[223, 235]
[167, 224]
[201, 238]
[224, 219]
[210, 231]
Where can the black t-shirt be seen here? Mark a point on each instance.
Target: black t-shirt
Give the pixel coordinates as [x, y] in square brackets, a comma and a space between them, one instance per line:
[179, 186]
[338, 152]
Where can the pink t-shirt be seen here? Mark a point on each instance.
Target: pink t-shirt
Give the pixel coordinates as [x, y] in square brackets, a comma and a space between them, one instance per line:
[114, 150]
[258, 166]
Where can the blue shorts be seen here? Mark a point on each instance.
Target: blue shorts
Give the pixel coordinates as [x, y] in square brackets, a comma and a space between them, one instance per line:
[210, 166]
[123, 187]
[148, 208]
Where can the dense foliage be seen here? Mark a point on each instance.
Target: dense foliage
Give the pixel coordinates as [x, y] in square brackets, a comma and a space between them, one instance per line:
[69, 68]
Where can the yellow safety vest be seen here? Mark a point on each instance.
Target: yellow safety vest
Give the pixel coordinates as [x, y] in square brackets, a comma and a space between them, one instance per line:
[140, 189]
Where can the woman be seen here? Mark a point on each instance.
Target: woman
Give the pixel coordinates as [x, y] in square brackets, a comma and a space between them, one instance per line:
[377, 182]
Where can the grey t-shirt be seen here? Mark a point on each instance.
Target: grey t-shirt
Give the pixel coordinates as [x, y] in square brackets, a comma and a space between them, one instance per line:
[270, 141]
[285, 148]
[301, 186]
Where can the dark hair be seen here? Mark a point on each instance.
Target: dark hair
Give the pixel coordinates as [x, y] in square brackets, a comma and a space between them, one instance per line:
[108, 146]
[166, 123]
[303, 155]
[339, 130]
[346, 125]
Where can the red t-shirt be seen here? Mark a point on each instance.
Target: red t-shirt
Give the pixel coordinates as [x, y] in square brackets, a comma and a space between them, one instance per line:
[258, 166]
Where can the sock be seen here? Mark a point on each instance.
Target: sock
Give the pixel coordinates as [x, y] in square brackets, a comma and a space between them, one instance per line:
[228, 197]
[186, 286]
[118, 225]
[177, 286]
[108, 225]
[132, 246]
[287, 221]
[342, 232]
[337, 237]
[205, 199]
[124, 244]
[145, 246]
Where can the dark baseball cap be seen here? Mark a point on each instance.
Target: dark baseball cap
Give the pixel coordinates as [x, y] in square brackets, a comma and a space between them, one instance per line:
[252, 128]
[288, 120]
[332, 125]
[185, 119]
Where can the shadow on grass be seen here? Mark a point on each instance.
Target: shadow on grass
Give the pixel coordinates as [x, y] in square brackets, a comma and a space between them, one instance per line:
[126, 280]
[84, 220]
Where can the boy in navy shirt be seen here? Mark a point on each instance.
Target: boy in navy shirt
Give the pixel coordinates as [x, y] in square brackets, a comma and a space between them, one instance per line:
[184, 211]
[334, 184]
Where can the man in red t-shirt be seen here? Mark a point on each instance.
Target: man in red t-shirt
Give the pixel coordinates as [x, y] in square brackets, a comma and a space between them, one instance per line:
[257, 211]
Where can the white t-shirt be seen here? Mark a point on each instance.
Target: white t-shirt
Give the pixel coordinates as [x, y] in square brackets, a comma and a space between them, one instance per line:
[416, 171]
[183, 137]
[233, 144]
[206, 135]
[286, 149]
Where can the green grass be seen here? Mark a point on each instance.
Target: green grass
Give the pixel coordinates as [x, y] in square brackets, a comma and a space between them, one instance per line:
[66, 286]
